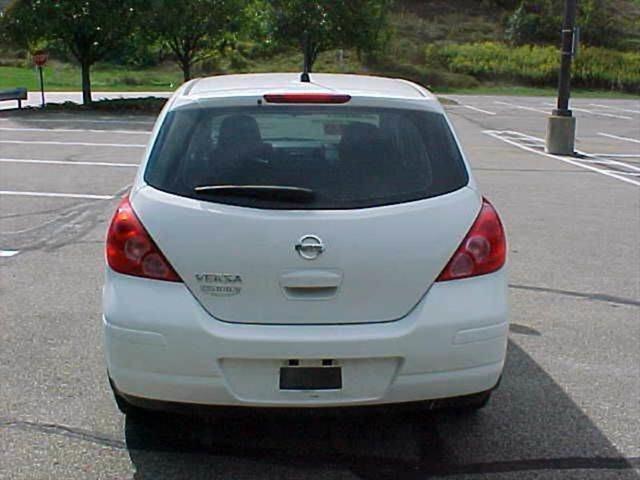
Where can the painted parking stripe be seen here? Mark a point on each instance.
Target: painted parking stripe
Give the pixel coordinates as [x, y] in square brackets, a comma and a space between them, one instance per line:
[80, 120]
[74, 130]
[530, 141]
[486, 112]
[617, 155]
[80, 144]
[592, 112]
[507, 136]
[521, 107]
[627, 110]
[616, 137]
[85, 196]
[67, 162]
[8, 253]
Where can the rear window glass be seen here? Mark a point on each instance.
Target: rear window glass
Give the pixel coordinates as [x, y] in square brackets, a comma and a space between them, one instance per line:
[335, 157]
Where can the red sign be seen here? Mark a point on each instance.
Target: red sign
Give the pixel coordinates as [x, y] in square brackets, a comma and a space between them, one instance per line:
[40, 58]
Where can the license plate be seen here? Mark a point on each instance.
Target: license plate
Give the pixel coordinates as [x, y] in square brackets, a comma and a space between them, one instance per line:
[310, 378]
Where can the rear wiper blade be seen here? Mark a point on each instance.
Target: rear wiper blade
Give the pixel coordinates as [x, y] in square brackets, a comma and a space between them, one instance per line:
[276, 192]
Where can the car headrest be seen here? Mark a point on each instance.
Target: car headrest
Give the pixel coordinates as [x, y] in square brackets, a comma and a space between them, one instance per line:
[239, 129]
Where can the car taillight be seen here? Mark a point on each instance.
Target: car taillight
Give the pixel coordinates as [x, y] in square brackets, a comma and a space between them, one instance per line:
[306, 98]
[483, 250]
[130, 249]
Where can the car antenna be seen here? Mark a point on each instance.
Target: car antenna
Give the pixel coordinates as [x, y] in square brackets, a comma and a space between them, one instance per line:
[305, 78]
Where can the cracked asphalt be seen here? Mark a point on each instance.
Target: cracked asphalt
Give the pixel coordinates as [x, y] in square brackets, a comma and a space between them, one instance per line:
[569, 404]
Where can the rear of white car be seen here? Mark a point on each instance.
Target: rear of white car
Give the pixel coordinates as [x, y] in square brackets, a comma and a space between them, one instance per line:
[291, 244]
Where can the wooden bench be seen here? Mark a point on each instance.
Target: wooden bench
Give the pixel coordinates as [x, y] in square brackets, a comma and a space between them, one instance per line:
[18, 94]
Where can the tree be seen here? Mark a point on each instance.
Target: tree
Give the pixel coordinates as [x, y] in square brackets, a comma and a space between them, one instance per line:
[192, 29]
[359, 24]
[20, 26]
[88, 29]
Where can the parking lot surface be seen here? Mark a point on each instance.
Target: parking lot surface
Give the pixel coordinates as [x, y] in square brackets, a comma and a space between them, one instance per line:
[568, 406]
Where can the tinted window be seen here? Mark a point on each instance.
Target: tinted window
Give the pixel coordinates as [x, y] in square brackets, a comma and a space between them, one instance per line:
[348, 157]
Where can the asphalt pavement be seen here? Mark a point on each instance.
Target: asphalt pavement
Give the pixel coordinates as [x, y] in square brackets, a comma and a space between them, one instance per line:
[569, 404]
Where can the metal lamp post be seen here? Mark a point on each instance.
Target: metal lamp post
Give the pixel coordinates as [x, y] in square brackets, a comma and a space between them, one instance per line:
[561, 125]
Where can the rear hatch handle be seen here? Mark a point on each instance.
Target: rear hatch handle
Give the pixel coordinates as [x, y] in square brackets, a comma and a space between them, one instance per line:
[311, 284]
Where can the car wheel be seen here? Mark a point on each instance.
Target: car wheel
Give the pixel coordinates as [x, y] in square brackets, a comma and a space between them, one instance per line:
[469, 403]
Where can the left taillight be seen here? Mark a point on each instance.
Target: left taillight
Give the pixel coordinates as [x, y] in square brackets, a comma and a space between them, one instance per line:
[130, 249]
[483, 250]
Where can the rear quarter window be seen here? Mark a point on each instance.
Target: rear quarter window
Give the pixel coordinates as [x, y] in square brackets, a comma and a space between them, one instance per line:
[348, 157]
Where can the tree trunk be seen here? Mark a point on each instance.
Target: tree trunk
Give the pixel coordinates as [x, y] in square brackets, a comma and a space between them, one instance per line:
[186, 69]
[86, 82]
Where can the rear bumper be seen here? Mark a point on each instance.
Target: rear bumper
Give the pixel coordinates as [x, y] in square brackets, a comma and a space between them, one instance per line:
[162, 345]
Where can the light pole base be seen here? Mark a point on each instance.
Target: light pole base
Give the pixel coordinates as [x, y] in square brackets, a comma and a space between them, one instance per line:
[561, 135]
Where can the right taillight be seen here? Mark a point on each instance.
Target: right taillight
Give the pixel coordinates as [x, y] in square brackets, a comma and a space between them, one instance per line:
[130, 249]
[483, 250]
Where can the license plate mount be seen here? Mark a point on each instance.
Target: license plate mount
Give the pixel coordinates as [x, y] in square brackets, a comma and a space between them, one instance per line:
[310, 378]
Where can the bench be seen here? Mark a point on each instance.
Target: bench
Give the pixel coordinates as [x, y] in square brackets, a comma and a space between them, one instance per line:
[18, 94]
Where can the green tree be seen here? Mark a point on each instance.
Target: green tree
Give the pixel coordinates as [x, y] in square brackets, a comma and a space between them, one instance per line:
[20, 26]
[535, 22]
[88, 29]
[193, 29]
[359, 24]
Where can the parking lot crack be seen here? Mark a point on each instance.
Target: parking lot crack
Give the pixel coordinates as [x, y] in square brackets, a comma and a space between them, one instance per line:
[63, 430]
[599, 297]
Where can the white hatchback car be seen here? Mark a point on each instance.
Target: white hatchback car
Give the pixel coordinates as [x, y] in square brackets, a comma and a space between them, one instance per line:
[304, 244]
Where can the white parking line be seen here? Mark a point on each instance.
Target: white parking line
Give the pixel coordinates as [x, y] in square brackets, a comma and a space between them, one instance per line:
[67, 162]
[81, 144]
[8, 253]
[79, 120]
[616, 137]
[632, 174]
[56, 195]
[628, 110]
[591, 112]
[617, 155]
[530, 141]
[73, 130]
[520, 107]
[487, 112]
[499, 135]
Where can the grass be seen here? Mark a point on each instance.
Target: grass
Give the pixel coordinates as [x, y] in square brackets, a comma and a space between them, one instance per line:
[520, 91]
[65, 77]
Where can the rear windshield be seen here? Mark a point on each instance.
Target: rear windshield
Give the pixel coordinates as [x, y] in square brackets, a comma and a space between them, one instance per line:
[296, 157]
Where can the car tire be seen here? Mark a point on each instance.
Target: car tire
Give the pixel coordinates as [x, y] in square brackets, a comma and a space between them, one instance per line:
[469, 404]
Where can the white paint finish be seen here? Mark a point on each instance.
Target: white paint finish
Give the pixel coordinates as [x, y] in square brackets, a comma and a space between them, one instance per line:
[258, 245]
[67, 162]
[8, 253]
[521, 107]
[487, 112]
[79, 144]
[86, 196]
[497, 134]
[431, 366]
[618, 109]
[262, 83]
[74, 130]
[617, 137]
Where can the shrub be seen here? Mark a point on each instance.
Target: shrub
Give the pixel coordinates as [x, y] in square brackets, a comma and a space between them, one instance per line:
[594, 67]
